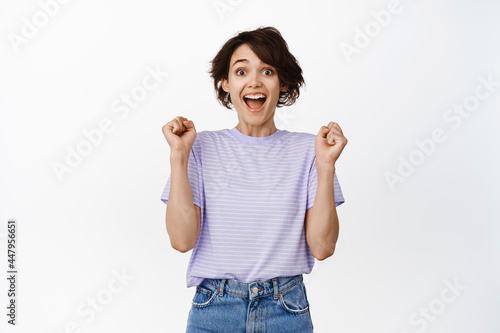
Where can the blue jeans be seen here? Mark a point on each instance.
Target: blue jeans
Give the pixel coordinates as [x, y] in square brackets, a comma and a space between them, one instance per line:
[277, 305]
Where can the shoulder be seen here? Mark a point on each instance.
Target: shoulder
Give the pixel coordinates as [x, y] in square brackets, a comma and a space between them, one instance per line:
[302, 144]
[299, 137]
[212, 138]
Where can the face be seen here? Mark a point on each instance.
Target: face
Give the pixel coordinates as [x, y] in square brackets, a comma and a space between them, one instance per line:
[253, 86]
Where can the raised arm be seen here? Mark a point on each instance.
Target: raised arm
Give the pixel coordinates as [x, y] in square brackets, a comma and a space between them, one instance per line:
[182, 216]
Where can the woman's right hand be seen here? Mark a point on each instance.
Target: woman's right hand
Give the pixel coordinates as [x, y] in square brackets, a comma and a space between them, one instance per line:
[180, 134]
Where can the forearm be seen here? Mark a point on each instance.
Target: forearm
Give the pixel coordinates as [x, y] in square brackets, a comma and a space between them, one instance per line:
[182, 224]
[322, 224]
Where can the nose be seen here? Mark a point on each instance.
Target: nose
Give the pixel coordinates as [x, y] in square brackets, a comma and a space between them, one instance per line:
[254, 80]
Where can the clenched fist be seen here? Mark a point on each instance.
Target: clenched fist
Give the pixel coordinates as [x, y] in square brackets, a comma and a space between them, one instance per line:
[330, 141]
[180, 134]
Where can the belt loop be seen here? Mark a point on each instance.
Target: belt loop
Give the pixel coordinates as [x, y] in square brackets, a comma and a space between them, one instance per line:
[222, 283]
[275, 287]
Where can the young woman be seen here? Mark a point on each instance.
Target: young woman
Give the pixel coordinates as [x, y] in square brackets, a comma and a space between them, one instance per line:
[255, 203]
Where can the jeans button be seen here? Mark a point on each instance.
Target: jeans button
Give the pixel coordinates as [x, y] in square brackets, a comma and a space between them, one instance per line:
[255, 290]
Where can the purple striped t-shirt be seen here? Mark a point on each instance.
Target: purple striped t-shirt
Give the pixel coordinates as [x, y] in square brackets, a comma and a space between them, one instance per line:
[253, 193]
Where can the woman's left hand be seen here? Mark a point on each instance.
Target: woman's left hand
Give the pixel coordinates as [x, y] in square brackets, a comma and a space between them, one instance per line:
[330, 141]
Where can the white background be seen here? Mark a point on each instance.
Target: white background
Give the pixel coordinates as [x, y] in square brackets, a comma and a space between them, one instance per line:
[398, 245]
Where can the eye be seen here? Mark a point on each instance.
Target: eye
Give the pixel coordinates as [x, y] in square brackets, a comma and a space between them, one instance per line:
[240, 72]
[268, 72]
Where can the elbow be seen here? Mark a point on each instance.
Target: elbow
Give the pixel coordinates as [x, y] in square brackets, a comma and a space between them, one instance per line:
[323, 254]
[182, 248]
[180, 242]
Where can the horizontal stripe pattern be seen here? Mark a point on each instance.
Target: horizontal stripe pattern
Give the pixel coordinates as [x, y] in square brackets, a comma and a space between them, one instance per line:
[253, 193]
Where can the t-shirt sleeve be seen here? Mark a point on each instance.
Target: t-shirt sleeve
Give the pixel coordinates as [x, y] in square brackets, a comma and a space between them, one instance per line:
[312, 185]
[194, 180]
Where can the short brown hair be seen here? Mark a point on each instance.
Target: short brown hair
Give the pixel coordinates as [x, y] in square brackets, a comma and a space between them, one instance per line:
[268, 44]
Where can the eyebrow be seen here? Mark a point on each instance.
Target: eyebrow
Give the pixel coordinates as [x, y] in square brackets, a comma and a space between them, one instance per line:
[239, 60]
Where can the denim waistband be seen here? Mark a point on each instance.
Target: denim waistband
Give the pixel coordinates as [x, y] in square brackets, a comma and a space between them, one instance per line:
[254, 289]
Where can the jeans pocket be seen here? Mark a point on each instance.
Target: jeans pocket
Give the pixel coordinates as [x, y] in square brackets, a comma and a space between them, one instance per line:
[203, 297]
[294, 300]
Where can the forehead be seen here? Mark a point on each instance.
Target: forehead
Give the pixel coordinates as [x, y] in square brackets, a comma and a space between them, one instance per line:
[244, 53]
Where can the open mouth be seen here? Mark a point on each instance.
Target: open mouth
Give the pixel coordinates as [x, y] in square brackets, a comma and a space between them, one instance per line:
[255, 101]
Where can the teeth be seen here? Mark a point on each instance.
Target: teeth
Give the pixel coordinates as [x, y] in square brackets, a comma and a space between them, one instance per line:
[255, 96]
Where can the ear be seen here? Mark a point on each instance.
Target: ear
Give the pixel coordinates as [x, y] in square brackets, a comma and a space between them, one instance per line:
[224, 84]
[284, 88]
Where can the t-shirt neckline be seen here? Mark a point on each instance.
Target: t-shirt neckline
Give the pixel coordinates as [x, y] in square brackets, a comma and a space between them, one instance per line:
[256, 140]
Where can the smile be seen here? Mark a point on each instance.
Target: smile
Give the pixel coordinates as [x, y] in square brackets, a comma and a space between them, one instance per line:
[255, 102]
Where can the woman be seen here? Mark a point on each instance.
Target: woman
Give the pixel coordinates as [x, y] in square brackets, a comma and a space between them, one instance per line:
[255, 203]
